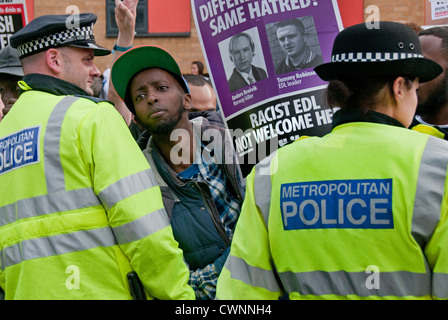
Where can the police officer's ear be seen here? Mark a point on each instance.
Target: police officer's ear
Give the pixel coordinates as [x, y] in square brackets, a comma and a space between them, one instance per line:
[53, 58]
[401, 88]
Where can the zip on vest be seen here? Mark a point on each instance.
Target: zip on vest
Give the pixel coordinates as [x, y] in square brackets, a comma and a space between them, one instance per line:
[218, 224]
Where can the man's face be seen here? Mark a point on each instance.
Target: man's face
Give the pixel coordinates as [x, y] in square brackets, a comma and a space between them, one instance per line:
[242, 54]
[9, 90]
[159, 100]
[79, 68]
[291, 40]
[433, 94]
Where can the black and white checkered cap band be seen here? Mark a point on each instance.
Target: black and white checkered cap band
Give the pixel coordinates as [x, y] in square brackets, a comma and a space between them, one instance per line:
[373, 56]
[57, 39]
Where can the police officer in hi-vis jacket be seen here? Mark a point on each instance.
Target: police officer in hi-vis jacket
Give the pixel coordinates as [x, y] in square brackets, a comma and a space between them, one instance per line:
[80, 208]
[361, 213]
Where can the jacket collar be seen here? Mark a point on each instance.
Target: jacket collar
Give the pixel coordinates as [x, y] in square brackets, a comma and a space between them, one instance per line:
[345, 116]
[52, 85]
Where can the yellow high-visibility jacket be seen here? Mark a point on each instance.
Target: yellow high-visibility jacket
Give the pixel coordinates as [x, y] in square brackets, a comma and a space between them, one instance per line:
[360, 213]
[79, 205]
[435, 130]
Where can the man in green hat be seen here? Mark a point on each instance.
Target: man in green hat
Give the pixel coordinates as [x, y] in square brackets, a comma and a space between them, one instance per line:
[200, 179]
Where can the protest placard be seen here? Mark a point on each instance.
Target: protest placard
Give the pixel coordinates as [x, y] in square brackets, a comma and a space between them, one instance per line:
[279, 102]
[13, 17]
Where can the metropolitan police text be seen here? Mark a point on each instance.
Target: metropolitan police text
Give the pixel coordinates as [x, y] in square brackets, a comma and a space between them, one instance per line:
[19, 149]
[363, 204]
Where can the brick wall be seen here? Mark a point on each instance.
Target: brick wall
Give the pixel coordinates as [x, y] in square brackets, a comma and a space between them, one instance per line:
[187, 49]
[400, 10]
[184, 49]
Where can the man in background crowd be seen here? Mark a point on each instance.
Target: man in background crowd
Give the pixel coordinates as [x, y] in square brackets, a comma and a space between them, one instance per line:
[11, 72]
[432, 110]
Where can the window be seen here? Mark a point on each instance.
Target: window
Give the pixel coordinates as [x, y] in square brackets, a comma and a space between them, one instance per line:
[155, 18]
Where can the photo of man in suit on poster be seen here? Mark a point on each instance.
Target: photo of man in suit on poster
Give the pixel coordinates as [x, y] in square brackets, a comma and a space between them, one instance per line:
[242, 53]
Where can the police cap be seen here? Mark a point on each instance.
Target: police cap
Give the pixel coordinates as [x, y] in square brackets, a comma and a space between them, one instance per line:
[52, 31]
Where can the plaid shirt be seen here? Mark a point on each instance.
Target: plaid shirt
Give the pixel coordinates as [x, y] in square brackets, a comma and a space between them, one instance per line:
[204, 280]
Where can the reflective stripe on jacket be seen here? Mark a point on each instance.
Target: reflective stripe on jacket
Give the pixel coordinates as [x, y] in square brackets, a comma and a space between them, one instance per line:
[358, 214]
[80, 207]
